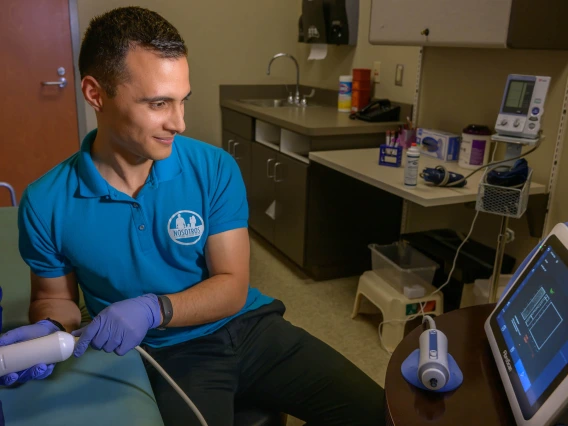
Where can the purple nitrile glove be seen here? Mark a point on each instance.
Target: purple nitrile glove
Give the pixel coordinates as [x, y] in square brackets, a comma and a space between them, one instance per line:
[21, 334]
[121, 326]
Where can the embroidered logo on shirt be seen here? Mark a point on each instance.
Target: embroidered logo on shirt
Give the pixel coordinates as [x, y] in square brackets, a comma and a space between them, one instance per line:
[185, 227]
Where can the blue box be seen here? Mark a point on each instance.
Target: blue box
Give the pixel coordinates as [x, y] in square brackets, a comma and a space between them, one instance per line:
[390, 155]
[442, 145]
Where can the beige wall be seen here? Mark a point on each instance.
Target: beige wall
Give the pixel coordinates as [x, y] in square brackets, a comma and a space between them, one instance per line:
[341, 60]
[231, 42]
[463, 86]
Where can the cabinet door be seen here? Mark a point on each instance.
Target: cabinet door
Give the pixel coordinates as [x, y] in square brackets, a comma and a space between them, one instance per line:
[242, 154]
[261, 193]
[290, 177]
[240, 150]
[466, 23]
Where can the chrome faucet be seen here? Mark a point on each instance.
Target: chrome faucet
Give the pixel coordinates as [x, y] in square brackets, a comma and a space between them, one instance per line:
[280, 55]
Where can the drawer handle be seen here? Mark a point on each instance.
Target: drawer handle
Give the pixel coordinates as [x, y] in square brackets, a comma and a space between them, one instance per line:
[230, 146]
[275, 173]
[235, 151]
[268, 163]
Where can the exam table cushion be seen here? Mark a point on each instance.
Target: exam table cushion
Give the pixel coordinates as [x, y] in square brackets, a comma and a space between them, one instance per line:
[96, 389]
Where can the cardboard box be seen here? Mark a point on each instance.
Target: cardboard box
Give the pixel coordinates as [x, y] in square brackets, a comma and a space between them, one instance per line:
[442, 145]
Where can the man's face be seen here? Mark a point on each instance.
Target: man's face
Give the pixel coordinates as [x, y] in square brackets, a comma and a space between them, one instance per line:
[148, 109]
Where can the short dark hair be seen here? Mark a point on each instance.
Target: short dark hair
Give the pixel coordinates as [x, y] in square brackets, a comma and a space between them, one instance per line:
[110, 36]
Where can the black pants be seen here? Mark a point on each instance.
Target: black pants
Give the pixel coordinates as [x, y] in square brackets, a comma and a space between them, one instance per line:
[260, 359]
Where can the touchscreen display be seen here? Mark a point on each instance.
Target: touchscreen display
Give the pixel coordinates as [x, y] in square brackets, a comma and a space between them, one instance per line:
[533, 327]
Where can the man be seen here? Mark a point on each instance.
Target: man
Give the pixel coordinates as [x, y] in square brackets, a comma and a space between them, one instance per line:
[164, 258]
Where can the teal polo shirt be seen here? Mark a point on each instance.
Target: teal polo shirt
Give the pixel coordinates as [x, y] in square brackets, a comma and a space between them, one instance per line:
[121, 247]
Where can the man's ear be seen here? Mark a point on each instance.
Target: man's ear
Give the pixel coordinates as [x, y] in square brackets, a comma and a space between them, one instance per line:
[93, 92]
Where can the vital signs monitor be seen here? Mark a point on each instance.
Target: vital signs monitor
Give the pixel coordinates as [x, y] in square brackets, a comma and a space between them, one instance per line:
[522, 106]
[528, 335]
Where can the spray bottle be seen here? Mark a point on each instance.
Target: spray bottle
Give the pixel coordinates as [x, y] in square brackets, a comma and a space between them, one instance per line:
[411, 169]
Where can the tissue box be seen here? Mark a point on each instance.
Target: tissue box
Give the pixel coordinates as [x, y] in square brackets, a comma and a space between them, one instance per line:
[438, 144]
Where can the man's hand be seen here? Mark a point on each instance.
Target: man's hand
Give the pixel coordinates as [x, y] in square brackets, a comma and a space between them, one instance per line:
[21, 334]
[121, 326]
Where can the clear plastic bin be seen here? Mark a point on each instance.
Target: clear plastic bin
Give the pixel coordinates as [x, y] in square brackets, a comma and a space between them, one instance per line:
[401, 266]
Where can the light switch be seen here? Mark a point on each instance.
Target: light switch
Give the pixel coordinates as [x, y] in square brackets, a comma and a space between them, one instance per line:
[377, 72]
[398, 74]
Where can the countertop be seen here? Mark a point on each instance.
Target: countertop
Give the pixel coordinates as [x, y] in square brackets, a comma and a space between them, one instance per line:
[312, 120]
[363, 164]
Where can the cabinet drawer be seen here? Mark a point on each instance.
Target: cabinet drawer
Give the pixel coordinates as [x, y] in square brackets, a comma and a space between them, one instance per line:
[237, 123]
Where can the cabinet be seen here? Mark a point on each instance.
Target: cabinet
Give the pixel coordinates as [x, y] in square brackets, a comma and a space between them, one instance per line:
[519, 24]
[320, 219]
[240, 150]
[290, 177]
[261, 194]
[277, 200]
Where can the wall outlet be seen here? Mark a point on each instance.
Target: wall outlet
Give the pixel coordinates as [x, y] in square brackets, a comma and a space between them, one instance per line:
[398, 74]
[377, 72]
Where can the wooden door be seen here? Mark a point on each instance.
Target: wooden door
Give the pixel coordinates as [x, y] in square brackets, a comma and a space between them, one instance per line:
[38, 122]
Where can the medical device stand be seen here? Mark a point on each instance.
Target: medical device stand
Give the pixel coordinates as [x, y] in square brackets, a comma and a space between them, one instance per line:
[504, 201]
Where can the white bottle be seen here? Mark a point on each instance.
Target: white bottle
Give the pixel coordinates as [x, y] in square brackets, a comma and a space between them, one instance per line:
[49, 349]
[411, 169]
[345, 91]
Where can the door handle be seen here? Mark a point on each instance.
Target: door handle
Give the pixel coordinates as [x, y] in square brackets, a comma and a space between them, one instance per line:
[235, 151]
[230, 146]
[275, 173]
[61, 83]
[268, 162]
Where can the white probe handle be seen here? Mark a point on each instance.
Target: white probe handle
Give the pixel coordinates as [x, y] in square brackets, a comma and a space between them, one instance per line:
[49, 349]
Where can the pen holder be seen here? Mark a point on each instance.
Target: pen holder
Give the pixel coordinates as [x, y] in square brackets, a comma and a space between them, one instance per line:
[407, 137]
[390, 155]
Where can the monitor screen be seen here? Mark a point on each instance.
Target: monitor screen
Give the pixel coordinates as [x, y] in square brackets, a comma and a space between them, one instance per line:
[518, 97]
[531, 328]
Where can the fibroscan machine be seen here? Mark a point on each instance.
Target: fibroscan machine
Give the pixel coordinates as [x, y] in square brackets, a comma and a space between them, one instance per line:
[528, 335]
[528, 329]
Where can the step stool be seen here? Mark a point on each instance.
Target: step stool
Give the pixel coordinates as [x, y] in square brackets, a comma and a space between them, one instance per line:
[393, 305]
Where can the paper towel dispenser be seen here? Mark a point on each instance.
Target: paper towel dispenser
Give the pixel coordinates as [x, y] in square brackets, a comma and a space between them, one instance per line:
[329, 22]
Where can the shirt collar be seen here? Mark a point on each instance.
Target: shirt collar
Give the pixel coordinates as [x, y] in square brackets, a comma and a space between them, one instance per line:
[92, 184]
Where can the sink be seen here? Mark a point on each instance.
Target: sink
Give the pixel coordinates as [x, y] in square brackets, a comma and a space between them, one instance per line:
[274, 103]
[269, 103]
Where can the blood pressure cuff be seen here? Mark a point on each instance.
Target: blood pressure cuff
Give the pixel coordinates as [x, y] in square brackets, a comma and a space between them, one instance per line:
[516, 176]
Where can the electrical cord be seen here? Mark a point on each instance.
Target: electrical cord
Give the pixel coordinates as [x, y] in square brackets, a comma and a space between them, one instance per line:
[173, 384]
[471, 228]
[410, 318]
[446, 179]
[421, 313]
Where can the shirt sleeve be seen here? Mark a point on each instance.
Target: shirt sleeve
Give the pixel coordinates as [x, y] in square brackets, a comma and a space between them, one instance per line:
[36, 244]
[228, 200]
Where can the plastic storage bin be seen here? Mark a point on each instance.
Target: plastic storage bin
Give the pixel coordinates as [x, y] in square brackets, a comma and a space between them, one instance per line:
[402, 266]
